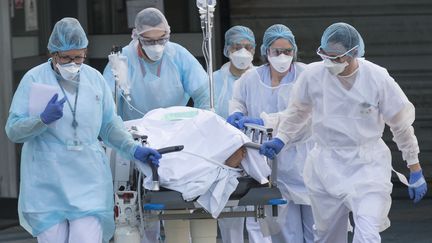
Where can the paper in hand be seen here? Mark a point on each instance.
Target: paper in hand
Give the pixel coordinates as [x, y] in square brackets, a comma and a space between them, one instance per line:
[40, 94]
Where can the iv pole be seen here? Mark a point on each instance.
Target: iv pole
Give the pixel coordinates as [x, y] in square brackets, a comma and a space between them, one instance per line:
[206, 9]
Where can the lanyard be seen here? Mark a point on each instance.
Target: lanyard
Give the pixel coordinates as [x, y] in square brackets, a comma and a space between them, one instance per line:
[73, 110]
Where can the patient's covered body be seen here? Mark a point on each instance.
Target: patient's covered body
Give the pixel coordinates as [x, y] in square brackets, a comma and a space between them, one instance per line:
[204, 169]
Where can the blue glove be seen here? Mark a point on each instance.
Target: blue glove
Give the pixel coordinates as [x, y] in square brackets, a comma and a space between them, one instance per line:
[246, 119]
[271, 148]
[234, 118]
[418, 186]
[145, 155]
[53, 110]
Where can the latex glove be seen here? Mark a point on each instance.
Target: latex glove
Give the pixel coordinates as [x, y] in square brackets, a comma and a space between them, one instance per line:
[271, 148]
[53, 110]
[418, 187]
[145, 155]
[246, 119]
[234, 118]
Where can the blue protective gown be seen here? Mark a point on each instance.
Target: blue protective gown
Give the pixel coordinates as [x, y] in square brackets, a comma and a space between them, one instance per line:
[223, 88]
[58, 184]
[170, 81]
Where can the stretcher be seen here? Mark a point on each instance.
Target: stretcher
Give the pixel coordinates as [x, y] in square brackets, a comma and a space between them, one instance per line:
[159, 203]
[248, 192]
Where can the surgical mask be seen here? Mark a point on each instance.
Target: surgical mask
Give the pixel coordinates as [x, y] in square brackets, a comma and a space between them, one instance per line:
[334, 67]
[241, 59]
[69, 71]
[154, 52]
[281, 63]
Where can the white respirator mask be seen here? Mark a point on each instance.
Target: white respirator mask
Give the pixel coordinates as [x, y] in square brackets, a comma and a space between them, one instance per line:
[281, 63]
[241, 59]
[69, 71]
[334, 67]
[154, 52]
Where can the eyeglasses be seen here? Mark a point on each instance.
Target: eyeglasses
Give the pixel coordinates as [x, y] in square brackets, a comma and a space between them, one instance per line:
[237, 47]
[274, 52]
[68, 59]
[150, 42]
[337, 58]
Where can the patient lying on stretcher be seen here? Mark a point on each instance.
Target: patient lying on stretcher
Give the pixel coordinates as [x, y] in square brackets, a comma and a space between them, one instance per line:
[212, 159]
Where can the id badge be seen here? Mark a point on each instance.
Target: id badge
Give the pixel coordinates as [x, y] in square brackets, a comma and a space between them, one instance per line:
[74, 145]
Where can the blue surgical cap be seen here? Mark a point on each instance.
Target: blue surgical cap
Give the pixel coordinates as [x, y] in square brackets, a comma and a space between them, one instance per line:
[340, 38]
[274, 32]
[67, 35]
[235, 35]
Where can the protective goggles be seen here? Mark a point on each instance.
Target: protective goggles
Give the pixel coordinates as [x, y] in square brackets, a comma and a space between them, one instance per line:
[150, 42]
[238, 46]
[274, 52]
[68, 59]
[333, 58]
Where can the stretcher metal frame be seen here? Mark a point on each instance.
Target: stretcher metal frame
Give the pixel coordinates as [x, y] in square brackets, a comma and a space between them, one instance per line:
[248, 193]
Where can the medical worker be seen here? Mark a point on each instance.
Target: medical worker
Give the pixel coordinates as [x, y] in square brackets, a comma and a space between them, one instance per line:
[240, 49]
[350, 100]
[160, 73]
[66, 192]
[258, 95]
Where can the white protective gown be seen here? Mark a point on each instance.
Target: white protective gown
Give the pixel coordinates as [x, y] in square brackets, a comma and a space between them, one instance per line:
[198, 170]
[350, 167]
[254, 97]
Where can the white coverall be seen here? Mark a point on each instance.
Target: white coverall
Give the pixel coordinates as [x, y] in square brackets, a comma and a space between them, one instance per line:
[350, 167]
[254, 97]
